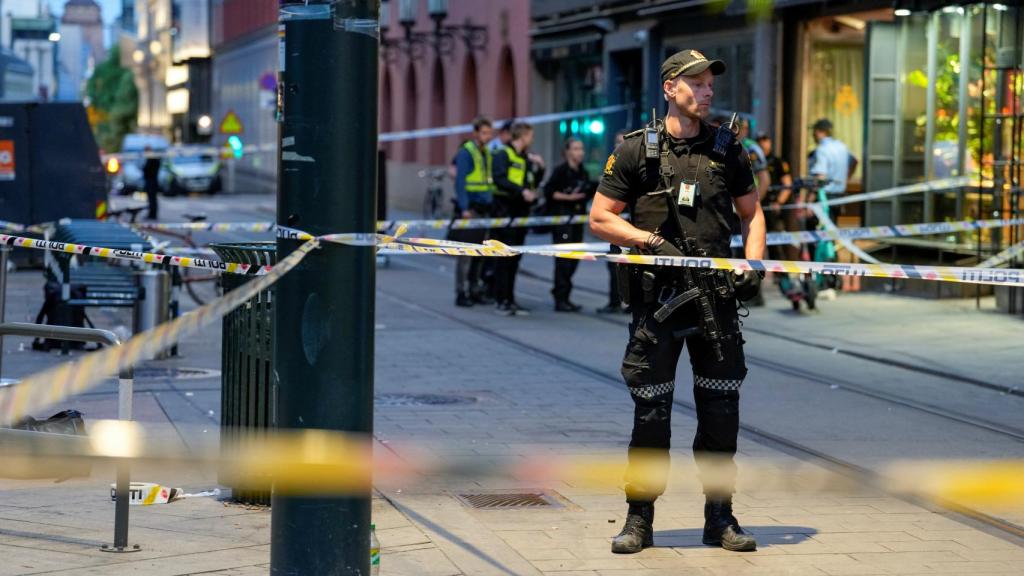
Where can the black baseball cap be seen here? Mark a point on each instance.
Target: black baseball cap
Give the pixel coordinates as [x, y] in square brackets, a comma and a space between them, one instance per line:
[689, 63]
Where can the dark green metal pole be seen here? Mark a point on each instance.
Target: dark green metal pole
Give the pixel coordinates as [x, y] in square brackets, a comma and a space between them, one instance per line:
[324, 313]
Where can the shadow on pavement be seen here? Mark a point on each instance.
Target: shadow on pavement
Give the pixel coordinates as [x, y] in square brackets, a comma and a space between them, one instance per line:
[766, 536]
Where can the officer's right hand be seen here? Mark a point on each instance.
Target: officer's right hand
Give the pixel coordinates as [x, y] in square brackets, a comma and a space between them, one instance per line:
[658, 246]
[467, 214]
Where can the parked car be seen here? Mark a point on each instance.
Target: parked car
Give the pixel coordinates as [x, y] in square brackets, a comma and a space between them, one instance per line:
[192, 170]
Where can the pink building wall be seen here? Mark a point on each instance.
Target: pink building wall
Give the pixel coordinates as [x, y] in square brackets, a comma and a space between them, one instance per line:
[444, 90]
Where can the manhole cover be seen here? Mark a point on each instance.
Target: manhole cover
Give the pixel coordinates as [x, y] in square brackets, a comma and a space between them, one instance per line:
[421, 400]
[510, 500]
[170, 373]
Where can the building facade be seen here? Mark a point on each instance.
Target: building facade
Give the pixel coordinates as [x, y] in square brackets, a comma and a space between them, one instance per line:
[29, 30]
[81, 47]
[151, 61]
[918, 90]
[188, 80]
[442, 64]
[244, 72]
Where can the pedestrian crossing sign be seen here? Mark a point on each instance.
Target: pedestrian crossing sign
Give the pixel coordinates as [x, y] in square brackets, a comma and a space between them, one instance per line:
[231, 124]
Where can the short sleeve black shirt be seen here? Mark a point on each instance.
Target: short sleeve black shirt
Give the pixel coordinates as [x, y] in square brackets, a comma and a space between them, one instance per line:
[631, 178]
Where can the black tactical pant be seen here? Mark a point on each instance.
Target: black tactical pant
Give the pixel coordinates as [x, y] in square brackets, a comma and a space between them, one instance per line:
[649, 368]
[506, 268]
[469, 269]
[565, 267]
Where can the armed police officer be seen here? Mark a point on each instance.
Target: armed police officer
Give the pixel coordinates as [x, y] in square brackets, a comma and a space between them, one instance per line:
[684, 184]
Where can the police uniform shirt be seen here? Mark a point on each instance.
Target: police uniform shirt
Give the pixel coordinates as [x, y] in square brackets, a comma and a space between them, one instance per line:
[777, 168]
[629, 176]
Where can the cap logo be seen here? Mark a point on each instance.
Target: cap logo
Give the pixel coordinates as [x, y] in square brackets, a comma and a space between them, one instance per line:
[697, 55]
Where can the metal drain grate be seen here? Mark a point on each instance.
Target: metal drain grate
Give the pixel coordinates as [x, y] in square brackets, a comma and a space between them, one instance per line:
[509, 501]
[421, 400]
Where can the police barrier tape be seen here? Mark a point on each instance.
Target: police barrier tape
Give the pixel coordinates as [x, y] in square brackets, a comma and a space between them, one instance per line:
[773, 238]
[1000, 277]
[933, 185]
[535, 119]
[830, 226]
[134, 256]
[875, 232]
[384, 137]
[48, 387]
[1004, 256]
[41, 390]
[492, 248]
[210, 226]
[354, 239]
[329, 462]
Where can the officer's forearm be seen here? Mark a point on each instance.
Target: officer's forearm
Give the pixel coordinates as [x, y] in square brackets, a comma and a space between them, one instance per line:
[754, 230]
[609, 226]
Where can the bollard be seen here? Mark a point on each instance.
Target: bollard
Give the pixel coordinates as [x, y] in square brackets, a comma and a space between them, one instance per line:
[153, 306]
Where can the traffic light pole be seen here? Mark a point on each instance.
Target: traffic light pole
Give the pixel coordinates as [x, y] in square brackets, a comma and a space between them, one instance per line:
[324, 309]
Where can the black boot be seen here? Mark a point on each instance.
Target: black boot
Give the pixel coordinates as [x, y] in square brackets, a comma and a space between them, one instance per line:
[638, 532]
[722, 529]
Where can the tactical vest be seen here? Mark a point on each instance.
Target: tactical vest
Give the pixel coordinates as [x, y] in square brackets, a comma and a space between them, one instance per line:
[710, 222]
[479, 181]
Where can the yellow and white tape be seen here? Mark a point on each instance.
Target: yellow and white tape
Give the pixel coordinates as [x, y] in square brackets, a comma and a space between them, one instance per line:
[50, 386]
[999, 277]
[133, 256]
[1004, 256]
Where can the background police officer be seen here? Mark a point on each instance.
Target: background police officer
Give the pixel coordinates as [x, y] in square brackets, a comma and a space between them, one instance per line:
[566, 193]
[474, 189]
[516, 176]
[702, 183]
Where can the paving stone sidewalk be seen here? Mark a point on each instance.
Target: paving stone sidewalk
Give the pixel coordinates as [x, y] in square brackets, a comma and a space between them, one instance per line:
[520, 405]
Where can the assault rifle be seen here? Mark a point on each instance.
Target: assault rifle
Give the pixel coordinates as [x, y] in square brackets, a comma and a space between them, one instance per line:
[702, 285]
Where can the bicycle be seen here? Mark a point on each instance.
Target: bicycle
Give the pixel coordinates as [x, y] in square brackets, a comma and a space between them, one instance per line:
[433, 199]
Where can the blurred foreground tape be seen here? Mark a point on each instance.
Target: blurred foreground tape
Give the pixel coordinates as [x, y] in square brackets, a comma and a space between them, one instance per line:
[980, 482]
[313, 462]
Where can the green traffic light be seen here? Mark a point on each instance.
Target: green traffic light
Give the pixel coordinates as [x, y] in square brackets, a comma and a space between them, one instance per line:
[596, 126]
[236, 146]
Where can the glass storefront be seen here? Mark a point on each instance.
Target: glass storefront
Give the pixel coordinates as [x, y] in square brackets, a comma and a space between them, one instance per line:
[924, 96]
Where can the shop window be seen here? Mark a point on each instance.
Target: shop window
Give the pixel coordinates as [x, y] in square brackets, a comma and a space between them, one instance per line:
[946, 88]
[838, 72]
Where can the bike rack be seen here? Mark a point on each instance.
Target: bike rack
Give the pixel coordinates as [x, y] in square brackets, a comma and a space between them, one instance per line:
[126, 384]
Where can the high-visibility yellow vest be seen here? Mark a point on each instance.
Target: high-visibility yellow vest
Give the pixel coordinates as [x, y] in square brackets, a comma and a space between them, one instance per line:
[479, 181]
[516, 167]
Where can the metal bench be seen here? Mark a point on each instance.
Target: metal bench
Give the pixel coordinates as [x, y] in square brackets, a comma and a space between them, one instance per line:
[83, 281]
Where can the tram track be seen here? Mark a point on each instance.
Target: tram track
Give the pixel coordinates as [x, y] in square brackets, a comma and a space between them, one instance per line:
[867, 357]
[971, 517]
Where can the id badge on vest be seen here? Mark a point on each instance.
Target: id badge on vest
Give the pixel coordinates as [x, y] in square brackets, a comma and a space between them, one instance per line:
[689, 187]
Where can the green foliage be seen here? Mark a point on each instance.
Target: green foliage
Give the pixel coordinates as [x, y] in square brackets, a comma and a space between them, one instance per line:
[112, 92]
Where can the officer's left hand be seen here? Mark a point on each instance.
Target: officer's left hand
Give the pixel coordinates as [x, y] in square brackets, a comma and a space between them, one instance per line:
[746, 284]
[529, 195]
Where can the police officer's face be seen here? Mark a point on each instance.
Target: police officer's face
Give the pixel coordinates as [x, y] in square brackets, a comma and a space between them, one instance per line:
[692, 94]
[484, 134]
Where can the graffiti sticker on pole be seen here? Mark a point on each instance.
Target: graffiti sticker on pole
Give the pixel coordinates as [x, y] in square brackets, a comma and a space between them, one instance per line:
[6, 159]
